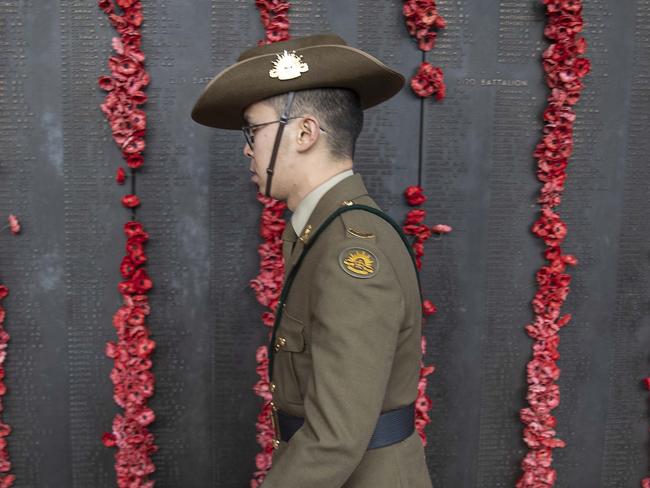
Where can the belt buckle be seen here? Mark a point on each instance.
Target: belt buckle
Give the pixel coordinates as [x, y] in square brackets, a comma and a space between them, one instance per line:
[276, 425]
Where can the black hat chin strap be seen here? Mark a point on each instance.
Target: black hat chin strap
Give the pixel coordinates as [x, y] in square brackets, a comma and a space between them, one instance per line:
[283, 121]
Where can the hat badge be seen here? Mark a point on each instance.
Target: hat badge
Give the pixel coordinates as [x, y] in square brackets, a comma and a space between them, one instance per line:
[288, 66]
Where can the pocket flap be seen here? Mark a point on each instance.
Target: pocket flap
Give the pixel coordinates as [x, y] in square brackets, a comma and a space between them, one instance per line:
[289, 336]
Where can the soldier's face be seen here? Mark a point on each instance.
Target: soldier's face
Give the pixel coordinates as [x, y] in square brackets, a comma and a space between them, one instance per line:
[260, 153]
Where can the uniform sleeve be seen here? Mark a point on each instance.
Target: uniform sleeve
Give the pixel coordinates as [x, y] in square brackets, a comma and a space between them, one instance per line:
[355, 325]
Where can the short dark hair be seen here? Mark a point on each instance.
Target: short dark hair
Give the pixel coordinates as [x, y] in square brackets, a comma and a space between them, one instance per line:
[337, 109]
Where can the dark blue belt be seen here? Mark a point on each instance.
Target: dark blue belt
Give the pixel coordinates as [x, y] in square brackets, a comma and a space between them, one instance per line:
[392, 427]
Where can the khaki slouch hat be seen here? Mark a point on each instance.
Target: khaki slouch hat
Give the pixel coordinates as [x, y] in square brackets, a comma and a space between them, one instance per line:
[317, 61]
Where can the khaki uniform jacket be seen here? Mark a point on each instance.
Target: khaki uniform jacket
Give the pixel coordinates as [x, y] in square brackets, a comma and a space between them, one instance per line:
[348, 348]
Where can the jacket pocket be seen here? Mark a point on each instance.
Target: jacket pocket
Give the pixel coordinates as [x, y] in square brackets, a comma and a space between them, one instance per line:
[289, 343]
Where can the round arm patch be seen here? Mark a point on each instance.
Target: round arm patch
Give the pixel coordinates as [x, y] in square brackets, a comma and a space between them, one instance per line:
[358, 262]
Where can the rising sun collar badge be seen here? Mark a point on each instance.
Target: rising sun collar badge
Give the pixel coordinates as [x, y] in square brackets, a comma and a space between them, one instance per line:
[288, 66]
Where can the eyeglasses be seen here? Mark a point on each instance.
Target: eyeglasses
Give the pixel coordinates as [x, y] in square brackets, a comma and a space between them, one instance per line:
[249, 130]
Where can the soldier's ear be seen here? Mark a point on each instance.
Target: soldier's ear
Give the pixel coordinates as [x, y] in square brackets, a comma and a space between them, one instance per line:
[308, 133]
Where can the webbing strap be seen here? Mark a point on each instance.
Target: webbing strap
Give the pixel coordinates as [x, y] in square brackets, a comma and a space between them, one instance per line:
[292, 274]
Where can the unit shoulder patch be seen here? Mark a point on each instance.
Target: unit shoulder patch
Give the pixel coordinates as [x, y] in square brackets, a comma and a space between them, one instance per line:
[358, 262]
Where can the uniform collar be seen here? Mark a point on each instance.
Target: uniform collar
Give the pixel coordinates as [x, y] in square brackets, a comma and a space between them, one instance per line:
[345, 190]
[306, 207]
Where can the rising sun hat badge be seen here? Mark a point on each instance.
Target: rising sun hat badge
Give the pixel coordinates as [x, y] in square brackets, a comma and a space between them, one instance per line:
[288, 66]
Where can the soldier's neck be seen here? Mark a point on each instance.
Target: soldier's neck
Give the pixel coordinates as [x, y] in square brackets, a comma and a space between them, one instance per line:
[309, 180]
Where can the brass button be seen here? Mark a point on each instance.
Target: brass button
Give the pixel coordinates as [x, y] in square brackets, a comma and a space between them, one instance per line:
[276, 443]
[280, 342]
[275, 409]
[272, 387]
[348, 203]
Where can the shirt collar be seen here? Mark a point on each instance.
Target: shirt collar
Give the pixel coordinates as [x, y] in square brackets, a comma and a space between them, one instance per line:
[308, 204]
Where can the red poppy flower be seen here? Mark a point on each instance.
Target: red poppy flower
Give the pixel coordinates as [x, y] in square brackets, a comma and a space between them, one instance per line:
[428, 308]
[138, 97]
[415, 216]
[428, 81]
[134, 17]
[133, 145]
[110, 350]
[134, 161]
[122, 65]
[106, 82]
[135, 247]
[108, 439]
[120, 176]
[130, 201]
[127, 268]
[106, 5]
[421, 18]
[145, 347]
[414, 196]
[14, 224]
[138, 119]
[141, 281]
[126, 288]
[145, 417]
[134, 228]
[441, 229]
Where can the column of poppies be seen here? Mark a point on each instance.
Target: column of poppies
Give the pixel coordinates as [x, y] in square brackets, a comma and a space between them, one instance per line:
[268, 286]
[422, 21]
[564, 70]
[6, 478]
[275, 19]
[268, 283]
[133, 381]
[414, 225]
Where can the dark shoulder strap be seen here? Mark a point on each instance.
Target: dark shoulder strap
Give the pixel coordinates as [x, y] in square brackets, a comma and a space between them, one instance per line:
[289, 281]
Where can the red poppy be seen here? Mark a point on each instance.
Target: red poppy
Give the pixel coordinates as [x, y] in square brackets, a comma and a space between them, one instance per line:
[134, 17]
[414, 196]
[120, 176]
[428, 308]
[141, 281]
[127, 268]
[134, 228]
[138, 97]
[428, 81]
[415, 216]
[134, 161]
[441, 229]
[145, 417]
[421, 18]
[122, 65]
[14, 224]
[106, 82]
[130, 201]
[145, 347]
[133, 145]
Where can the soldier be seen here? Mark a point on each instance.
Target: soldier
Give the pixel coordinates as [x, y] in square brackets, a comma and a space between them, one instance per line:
[345, 350]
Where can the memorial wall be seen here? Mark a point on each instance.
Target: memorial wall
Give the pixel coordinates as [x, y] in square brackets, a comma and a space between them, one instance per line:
[471, 152]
